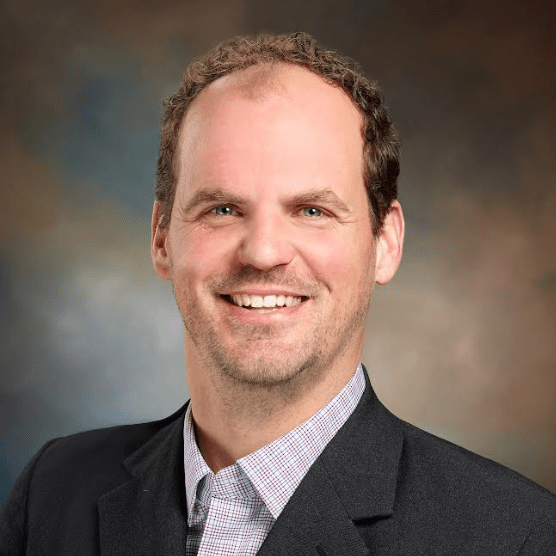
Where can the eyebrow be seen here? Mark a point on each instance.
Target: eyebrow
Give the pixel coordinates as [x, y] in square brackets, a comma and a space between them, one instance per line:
[207, 196]
[320, 196]
[219, 195]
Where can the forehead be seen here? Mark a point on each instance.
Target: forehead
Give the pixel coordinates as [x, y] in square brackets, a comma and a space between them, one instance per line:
[274, 118]
[278, 80]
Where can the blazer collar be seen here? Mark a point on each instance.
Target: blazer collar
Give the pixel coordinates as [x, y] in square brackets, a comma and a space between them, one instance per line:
[362, 460]
[354, 479]
[147, 514]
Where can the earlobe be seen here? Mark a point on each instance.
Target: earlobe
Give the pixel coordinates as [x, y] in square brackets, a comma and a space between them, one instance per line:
[159, 248]
[390, 245]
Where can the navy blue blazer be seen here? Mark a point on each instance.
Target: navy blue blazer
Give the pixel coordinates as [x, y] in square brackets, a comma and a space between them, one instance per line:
[381, 487]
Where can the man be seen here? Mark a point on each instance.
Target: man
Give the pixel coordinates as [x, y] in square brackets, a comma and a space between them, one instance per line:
[276, 214]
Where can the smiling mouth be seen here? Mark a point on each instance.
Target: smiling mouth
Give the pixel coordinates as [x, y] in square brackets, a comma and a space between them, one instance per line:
[264, 304]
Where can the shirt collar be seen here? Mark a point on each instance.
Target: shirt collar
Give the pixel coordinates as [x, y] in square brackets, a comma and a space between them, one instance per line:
[275, 470]
[195, 466]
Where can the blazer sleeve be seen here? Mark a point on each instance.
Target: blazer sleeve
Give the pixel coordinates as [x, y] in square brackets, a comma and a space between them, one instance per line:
[13, 517]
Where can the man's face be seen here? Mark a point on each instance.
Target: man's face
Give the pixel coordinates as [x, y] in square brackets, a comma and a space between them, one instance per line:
[270, 246]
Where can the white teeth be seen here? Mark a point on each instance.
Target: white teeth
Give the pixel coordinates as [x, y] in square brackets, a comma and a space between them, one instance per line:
[256, 301]
[291, 301]
[268, 301]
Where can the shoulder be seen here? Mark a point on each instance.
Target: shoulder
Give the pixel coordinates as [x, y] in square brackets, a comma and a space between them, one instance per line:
[470, 495]
[67, 476]
[99, 451]
[428, 455]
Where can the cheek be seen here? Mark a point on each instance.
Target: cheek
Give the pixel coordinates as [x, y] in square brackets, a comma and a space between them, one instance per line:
[339, 261]
[199, 255]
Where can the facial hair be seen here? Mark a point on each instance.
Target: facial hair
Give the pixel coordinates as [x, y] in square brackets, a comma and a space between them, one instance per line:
[280, 369]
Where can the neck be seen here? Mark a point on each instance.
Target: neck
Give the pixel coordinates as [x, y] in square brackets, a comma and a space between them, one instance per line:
[233, 419]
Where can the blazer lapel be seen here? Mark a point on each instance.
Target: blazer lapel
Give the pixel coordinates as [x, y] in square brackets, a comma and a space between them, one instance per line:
[314, 522]
[147, 514]
[352, 483]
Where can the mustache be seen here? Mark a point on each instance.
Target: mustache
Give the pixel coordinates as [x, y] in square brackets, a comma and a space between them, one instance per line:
[249, 276]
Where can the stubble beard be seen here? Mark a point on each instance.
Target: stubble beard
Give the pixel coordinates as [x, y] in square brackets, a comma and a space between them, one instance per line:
[247, 362]
[254, 367]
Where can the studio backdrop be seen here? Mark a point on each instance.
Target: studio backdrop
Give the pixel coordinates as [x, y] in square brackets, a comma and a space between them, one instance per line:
[461, 343]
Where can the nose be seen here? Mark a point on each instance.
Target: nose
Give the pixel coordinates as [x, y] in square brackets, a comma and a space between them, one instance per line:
[266, 243]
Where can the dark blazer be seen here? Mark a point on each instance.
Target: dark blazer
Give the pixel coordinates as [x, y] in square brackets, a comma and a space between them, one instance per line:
[381, 487]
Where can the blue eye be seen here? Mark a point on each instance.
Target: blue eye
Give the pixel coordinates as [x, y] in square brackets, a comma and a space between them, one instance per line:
[223, 210]
[312, 211]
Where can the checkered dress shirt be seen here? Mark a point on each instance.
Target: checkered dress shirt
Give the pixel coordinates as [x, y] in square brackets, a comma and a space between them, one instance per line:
[232, 511]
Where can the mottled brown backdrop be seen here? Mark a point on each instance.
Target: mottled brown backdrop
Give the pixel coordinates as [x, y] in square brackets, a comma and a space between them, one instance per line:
[462, 343]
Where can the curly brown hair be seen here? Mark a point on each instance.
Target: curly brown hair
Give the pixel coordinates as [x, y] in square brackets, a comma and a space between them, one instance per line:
[381, 145]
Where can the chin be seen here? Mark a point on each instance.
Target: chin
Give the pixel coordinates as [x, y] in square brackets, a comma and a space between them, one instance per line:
[265, 371]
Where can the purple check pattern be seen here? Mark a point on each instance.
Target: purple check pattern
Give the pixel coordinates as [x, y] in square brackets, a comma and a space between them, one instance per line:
[232, 511]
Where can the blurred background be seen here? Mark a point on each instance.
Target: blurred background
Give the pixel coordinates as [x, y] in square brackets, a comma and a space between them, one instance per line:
[462, 343]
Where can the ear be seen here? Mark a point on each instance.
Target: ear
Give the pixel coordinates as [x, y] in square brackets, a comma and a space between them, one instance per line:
[159, 249]
[390, 245]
